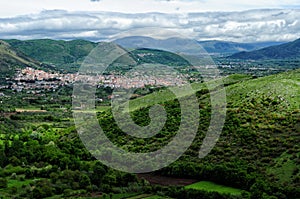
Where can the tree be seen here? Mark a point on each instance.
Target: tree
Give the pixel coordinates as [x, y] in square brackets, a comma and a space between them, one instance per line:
[43, 189]
[3, 183]
[84, 181]
[98, 174]
[3, 158]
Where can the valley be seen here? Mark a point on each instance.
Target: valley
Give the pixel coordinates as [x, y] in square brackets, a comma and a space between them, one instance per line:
[43, 156]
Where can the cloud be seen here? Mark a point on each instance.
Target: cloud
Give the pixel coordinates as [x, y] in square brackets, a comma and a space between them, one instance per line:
[21, 7]
[245, 26]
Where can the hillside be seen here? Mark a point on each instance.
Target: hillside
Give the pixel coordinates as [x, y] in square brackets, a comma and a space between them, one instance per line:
[11, 59]
[258, 150]
[63, 55]
[256, 156]
[67, 56]
[286, 51]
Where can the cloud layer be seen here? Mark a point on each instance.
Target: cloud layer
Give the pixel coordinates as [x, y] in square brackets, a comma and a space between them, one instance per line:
[246, 26]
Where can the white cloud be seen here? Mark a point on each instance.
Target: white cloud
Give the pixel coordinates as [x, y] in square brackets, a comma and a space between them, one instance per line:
[245, 26]
[21, 7]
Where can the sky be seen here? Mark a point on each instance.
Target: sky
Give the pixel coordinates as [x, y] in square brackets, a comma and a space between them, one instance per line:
[239, 21]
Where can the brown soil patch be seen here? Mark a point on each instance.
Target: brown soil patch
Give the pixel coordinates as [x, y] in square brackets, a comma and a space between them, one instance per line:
[166, 181]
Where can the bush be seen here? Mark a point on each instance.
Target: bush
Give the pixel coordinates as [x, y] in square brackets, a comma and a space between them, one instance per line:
[9, 170]
[3, 183]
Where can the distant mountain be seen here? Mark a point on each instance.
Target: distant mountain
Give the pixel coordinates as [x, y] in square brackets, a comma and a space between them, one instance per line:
[289, 50]
[136, 41]
[67, 56]
[224, 47]
[212, 47]
[11, 60]
[64, 55]
[174, 44]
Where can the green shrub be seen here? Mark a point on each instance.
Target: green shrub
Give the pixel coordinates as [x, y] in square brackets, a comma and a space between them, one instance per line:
[3, 183]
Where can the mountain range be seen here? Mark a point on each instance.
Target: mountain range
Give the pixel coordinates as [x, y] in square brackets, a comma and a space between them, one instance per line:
[226, 47]
[67, 56]
[211, 47]
[290, 50]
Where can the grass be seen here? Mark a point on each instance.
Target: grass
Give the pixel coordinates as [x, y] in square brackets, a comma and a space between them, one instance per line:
[283, 168]
[17, 183]
[13, 183]
[283, 87]
[212, 187]
[166, 95]
[120, 195]
[102, 108]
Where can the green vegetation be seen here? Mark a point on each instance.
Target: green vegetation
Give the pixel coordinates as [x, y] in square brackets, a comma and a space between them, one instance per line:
[67, 56]
[119, 196]
[210, 186]
[284, 168]
[261, 125]
[273, 91]
[11, 60]
[145, 55]
[41, 154]
[61, 55]
[165, 95]
[258, 150]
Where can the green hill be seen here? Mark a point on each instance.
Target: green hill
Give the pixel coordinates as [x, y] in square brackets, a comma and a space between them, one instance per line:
[67, 56]
[63, 55]
[289, 50]
[11, 59]
[258, 150]
[149, 56]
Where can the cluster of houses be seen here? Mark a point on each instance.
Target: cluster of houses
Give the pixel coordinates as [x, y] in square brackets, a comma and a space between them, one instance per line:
[32, 79]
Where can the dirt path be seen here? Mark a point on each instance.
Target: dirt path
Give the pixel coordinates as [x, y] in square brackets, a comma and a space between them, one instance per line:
[19, 110]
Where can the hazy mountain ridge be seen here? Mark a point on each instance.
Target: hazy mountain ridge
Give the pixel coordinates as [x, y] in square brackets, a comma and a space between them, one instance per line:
[227, 47]
[290, 50]
[211, 46]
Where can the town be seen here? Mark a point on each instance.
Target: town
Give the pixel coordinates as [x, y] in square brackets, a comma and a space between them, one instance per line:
[36, 80]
